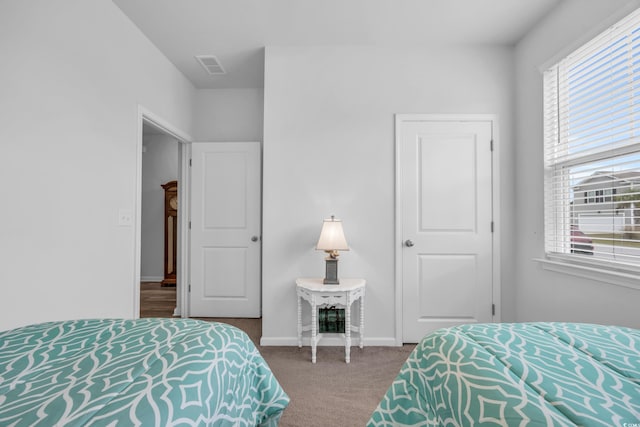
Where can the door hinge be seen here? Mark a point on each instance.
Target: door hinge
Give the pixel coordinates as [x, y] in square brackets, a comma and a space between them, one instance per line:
[189, 287]
[491, 145]
[190, 163]
[492, 226]
[189, 225]
[493, 309]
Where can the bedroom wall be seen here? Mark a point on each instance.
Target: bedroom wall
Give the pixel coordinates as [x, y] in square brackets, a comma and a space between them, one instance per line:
[159, 166]
[329, 149]
[229, 114]
[541, 294]
[73, 75]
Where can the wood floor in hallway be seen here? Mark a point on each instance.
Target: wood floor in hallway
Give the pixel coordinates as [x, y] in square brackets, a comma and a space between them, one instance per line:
[157, 300]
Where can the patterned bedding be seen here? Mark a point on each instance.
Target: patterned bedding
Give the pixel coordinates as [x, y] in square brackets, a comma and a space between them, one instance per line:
[528, 374]
[150, 372]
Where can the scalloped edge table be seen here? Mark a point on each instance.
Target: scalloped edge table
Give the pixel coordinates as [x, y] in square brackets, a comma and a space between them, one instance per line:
[319, 295]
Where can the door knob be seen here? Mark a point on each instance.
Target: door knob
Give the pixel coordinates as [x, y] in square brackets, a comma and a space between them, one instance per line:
[408, 243]
[254, 238]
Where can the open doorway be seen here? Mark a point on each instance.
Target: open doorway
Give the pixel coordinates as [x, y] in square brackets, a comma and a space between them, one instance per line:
[158, 224]
[153, 129]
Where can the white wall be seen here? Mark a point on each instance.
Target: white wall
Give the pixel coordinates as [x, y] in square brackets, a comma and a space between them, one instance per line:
[329, 149]
[159, 166]
[73, 74]
[541, 294]
[228, 114]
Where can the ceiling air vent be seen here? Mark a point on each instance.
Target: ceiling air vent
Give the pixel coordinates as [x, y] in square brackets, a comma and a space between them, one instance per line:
[211, 64]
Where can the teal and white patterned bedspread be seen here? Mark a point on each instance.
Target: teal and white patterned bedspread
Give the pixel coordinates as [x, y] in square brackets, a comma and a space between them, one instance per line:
[527, 374]
[149, 372]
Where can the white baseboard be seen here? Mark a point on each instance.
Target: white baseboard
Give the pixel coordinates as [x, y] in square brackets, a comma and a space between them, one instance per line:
[151, 278]
[327, 341]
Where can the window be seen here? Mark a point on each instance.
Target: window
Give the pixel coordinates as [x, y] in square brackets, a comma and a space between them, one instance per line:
[592, 150]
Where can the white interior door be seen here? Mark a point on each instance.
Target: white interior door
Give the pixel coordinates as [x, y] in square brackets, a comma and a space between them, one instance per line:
[445, 192]
[225, 229]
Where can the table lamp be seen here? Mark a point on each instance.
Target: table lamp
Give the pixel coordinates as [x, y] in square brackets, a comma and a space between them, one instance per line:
[331, 241]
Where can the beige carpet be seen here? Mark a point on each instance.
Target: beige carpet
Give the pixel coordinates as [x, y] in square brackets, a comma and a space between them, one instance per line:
[329, 392]
[332, 392]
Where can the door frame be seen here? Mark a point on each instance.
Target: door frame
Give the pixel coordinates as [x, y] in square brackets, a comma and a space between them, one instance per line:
[182, 263]
[495, 208]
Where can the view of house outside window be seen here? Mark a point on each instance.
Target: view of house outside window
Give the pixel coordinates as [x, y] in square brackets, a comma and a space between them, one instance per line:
[592, 149]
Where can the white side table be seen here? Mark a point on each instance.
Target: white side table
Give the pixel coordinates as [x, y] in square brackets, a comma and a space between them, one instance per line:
[319, 295]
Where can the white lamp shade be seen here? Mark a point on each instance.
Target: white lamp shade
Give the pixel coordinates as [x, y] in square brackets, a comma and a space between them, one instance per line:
[332, 236]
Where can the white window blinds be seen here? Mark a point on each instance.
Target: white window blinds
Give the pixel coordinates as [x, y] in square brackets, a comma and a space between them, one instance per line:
[592, 149]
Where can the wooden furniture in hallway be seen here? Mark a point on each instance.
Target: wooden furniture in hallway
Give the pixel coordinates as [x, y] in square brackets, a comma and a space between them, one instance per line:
[170, 232]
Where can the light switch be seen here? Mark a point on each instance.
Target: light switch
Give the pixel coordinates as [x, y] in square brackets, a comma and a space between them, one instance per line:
[125, 218]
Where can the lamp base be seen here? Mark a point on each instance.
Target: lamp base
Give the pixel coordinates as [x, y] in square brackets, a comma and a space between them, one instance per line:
[331, 272]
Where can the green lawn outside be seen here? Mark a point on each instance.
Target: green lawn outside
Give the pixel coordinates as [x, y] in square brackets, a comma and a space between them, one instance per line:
[614, 240]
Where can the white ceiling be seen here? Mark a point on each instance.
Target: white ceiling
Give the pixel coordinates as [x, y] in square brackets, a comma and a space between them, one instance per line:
[236, 31]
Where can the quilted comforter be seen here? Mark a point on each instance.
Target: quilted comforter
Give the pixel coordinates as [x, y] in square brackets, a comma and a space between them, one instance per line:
[528, 374]
[151, 372]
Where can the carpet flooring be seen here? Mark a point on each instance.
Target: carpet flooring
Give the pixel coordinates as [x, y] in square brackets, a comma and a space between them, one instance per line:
[332, 392]
[327, 393]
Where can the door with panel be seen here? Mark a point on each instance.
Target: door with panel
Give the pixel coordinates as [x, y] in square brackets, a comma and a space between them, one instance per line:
[225, 229]
[445, 196]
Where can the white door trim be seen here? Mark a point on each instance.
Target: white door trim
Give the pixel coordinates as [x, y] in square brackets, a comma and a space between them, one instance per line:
[495, 206]
[184, 140]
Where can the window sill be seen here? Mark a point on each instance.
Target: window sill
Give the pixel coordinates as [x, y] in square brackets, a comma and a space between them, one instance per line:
[627, 278]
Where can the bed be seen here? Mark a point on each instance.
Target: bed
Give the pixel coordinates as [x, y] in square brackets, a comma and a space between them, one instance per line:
[526, 374]
[149, 372]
